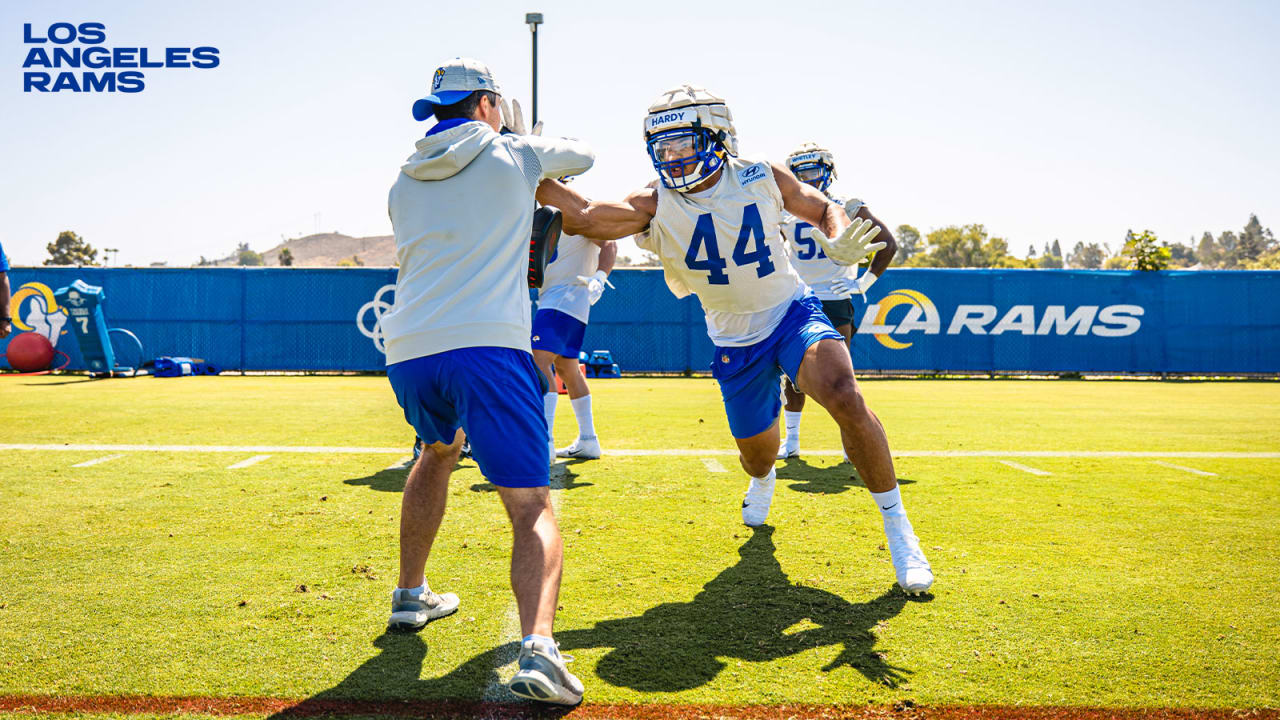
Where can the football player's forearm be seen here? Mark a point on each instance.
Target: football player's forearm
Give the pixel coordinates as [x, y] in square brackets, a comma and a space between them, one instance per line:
[603, 220]
[884, 256]
[608, 255]
[833, 220]
[4, 294]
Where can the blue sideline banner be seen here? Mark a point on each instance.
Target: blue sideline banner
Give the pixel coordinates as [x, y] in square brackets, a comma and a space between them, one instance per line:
[326, 319]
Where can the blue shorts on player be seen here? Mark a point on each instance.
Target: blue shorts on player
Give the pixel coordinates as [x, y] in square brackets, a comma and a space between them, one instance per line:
[494, 394]
[749, 376]
[558, 332]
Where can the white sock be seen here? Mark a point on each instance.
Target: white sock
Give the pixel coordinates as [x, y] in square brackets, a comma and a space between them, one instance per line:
[890, 503]
[582, 408]
[418, 590]
[549, 409]
[768, 479]
[793, 426]
[542, 639]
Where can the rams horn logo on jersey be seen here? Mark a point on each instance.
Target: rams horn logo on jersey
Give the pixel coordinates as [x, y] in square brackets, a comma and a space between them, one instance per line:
[439, 78]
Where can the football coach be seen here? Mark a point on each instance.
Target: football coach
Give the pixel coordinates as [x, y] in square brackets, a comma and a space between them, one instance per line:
[458, 348]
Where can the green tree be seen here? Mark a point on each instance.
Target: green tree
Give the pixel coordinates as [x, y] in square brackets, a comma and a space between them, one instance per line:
[1270, 261]
[1207, 252]
[910, 244]
[1144, 251]
[245, 256]
[1255, 241]
[1181, 256]
[286, 258]
[353, 261]
[1088, 257]
[957, 246]
[1228, 251]
[1052, 258]
[70, 249]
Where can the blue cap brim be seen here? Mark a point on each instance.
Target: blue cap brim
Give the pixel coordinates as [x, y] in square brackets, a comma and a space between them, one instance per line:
[425, 107]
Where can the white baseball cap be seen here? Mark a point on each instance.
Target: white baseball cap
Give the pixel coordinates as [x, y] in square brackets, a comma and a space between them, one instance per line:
[452, 82]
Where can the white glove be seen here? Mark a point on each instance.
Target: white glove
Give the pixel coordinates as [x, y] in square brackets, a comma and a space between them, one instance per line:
[854, 243]
[513, 119]
[595, 284]
[847, 286]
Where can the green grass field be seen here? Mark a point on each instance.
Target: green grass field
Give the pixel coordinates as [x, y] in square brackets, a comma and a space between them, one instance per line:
[1106, 582]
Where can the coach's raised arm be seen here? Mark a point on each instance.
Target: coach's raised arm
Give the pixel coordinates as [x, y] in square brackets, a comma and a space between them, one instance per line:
[458, 349]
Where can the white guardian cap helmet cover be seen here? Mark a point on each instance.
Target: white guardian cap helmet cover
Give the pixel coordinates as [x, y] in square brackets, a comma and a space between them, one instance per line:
[688, 132]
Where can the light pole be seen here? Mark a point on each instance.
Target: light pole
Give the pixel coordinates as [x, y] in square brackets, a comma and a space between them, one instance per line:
[533, 20]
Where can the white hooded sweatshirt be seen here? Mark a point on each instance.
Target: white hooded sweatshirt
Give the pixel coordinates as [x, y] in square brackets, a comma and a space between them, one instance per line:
[462, 209]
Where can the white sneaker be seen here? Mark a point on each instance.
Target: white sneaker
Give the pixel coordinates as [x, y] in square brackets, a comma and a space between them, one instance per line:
[410, 612]
[909, 564]
[586, 448]
[755, 506]
[788, 450]
[543, 677]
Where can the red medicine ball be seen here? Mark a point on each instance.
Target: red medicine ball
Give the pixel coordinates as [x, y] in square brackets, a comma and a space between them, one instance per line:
[29, 352]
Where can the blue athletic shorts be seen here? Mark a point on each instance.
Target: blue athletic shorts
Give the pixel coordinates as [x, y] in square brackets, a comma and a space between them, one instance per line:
[494, 394]
[749, 376]
[557, 332]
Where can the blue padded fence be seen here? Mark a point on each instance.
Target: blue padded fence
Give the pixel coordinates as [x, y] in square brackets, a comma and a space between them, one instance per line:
[324, 319]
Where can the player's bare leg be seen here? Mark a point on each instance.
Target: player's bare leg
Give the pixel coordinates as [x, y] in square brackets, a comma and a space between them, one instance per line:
[422, 507]
[826, 374]
[587, 444]
[794, 404]
[537, 555]
[413, 604]
[545, 360]
[757, 455]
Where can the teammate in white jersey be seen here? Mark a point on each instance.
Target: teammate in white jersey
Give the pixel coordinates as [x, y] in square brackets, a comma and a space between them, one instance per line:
[831, 282]
[573, 281]
[713, 219]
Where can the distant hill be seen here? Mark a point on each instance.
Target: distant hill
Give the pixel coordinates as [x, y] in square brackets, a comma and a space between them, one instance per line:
[328, 250]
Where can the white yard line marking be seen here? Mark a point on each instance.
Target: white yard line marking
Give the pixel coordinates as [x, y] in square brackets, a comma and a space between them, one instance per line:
[713, 465]
[95, 461]
[687, 452]
[1024, 468]
[400, 464]
[1184, 468]
[248, 461]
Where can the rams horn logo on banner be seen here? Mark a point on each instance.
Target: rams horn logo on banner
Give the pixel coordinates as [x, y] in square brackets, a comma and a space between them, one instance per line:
[921, 307]
[42, 314]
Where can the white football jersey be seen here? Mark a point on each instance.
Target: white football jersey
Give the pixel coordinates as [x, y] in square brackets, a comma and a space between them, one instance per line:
[574, 256]
[807, 255]
[725, 245]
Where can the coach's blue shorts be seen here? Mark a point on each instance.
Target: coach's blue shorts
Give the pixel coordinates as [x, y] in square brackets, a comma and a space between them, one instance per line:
[557, 332]
[749, 376]
[494, 394]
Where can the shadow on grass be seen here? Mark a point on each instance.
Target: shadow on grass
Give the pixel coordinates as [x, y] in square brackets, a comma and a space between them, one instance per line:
[827, 480]
[750, 611]
[393, 479]
[562, 478]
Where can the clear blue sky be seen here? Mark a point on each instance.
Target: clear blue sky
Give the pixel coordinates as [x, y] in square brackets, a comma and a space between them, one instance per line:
[1068, 120]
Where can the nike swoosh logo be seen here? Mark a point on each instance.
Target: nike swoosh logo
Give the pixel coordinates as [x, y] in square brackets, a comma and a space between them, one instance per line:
[890, 507]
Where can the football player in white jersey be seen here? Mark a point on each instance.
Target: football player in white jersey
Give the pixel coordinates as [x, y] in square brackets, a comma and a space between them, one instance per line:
[713, 219]
[573, 281]
[831, 282]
